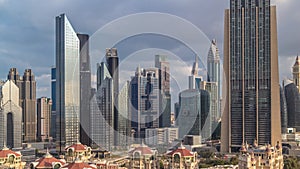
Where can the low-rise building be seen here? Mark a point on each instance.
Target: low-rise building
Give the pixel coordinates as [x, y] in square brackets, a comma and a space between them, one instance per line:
[159, 136]
[78, 150]
[48, 161]
[142, 157]
[181, 158]
[11, 159]
[263, 157]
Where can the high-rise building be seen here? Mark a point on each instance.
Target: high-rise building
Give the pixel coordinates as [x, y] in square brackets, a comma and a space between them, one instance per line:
[195, 78]
[205, 117]
[53, 98]
[213, 74]
[10, 115]
[67, 83]
[296, 73]
[27, 89]
[124, 125]
[283, 111]
[161, 62]
[144, 95]
[189, 118]
[44, 109]
[252, 109]
[102, 110]
[85, 89]
[293, 105]
[112, 60]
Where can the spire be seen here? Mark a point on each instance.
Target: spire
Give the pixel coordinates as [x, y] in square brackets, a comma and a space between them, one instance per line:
[195, 66]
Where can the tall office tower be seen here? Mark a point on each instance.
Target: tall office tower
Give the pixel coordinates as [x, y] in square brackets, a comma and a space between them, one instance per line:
[28, 98]
[195, 79]
[85, 88]
[189, 118]
[296, 73]
[10, 115]
[112, 65]
[27, 89]
[212, 88]
[44, 109]
[252, 109]
[124, 117]
[53, 98]
[161, 62]
[67, 84]
[283, 111]
[176, 110]
[293, 105]
[102, 109]
[144, 95]
[213, 72]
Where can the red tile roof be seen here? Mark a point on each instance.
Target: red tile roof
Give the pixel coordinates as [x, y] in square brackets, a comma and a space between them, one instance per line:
[77, 147]
[5, 152]
[78, 165]
[143, 149]
[182, 151]
[47, 161]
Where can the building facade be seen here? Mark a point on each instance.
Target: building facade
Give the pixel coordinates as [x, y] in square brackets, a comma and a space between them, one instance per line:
[293, 106]
[53, 98]
[44, 109]
[10, 115]
[67, 83]
[296, 73]
[144, 96]
[124, 117]
[189, 118]
[27, 89]
[161, 62]
[251, 68]
[102, 110]
[112, 61]
[85, 88]
[283, 111]
[213, 75]
[160, 136]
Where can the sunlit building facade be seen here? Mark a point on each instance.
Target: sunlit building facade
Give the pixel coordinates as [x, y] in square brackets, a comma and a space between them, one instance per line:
[67, 83]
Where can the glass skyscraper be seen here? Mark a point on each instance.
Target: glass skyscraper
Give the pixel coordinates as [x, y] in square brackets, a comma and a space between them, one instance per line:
[252, 109]
[213, 75]
[67, 83]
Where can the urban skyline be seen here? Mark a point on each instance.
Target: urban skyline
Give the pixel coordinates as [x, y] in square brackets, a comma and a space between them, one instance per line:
[40, 62]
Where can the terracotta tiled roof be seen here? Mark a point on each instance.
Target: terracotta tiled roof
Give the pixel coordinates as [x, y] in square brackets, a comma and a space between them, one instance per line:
[77, 147]
[143, 149]
[182, 151]
[47, 161]
[78, 165]
[5, 151]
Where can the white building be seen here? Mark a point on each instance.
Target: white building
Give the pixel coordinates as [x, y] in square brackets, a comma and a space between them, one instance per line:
[161, 135]
[10, 115]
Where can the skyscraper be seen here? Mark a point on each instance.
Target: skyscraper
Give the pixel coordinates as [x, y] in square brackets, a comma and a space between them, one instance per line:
[296, 73]
[124, 125]
[213, 73]
[27, 89]
[293, 105]
[189, 118]
[283, 111]
[112, 60]
[163, 66]
[10, 115]
[44, 108]
[53, 97]
[85, 88]
[144, 95]
[195, 79]
[252, 109]
[67, 83]
[102, 109]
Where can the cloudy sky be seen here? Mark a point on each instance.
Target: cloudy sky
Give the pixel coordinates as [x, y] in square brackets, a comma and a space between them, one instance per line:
[27, 32]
